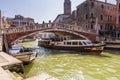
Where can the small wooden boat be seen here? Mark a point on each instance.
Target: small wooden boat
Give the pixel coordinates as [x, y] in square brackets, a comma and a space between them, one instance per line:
[73, 45]
[24, 54]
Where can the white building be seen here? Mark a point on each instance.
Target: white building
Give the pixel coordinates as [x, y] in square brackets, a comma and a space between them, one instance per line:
[20, 21]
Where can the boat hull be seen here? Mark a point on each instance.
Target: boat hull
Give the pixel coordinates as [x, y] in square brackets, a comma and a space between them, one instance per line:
[85, 49]
[26, 58]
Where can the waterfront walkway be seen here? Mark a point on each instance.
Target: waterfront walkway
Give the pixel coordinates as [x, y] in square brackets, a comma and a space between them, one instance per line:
[5, 61]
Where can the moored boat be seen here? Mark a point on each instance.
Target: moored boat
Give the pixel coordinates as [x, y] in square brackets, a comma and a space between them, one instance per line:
[74, 45]
[24, 54]
[112, 45]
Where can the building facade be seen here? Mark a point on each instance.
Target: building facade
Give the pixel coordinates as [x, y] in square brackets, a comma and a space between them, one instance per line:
[118, 19]
[96, 15]
[20, 21]
[118, 13]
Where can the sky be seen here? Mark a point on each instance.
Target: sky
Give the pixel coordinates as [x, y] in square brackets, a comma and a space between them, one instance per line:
[39, 10]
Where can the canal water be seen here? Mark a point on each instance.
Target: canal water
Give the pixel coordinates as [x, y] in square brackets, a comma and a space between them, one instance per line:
[74, 66]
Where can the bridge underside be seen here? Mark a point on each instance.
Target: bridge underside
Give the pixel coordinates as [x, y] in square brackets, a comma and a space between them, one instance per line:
[73, 36]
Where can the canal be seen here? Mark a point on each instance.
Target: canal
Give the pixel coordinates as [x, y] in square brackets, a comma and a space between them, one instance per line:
[74, 66]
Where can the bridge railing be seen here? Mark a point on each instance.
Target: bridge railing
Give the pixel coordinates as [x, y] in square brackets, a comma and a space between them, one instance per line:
[45, 26]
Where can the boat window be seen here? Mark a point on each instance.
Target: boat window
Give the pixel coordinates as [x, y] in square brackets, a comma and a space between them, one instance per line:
[68, 43]
[80, 43]
[75, 43]
[89, 42]
[84, 43]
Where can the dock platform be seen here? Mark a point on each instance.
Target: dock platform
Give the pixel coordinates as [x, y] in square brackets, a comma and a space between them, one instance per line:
[7, 60]
[113, 45]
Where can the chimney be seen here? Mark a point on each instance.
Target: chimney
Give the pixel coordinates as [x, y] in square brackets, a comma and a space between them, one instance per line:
[105, 1]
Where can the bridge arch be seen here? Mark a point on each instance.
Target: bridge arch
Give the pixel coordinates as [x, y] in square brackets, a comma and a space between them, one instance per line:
[74, 34]
[12, 34]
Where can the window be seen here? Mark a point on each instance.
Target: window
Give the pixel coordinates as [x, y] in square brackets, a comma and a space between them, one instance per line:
[102, 6]
[91, 26]
[119, 6]
[75, 43]
[80, 43]
[110, 17]
[92, 4]
[84, 43]
[101, 27]
[64, 43]
[119, 19]
[86, 26]
[15, 23]
[101, 17]
[85, 5]
[86, 16]
[92, 15]
[89, 43]
[68, 43]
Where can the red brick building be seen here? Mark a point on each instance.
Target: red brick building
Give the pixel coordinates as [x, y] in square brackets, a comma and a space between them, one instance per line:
[94, 12]
[118, 19]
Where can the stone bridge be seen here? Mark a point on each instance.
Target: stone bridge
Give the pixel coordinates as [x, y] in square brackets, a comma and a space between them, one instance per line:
[13, 34]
